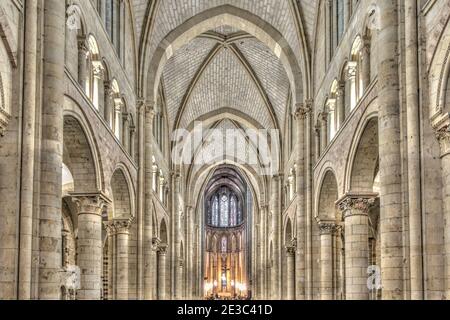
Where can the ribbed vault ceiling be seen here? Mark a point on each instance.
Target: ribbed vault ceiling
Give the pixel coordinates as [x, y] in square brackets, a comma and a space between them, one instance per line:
[231, 70]
[225, 67]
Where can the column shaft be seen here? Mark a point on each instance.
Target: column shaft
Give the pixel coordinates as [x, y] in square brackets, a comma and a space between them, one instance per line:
[326, 260]
[51, 150]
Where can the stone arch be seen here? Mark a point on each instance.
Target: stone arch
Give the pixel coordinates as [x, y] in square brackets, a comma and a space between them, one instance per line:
[208, 20]
[163, 232]
[122, 195]
[327, 197]
[365, 159]
[288, 232]
[79, 157]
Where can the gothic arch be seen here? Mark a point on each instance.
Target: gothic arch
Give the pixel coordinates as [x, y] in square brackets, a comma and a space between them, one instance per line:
[123, 193]
[73, 110]
[80, 156]
[326, 199]
[363, 159]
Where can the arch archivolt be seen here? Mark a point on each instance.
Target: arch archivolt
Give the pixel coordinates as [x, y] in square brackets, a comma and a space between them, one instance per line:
[208, 20]
[326, 172]
[71, 109]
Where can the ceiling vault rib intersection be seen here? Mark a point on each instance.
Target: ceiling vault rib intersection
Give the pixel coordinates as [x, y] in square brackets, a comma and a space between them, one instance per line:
[226, 42]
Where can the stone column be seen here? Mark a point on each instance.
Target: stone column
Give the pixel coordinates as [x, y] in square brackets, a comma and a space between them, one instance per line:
[147, 113]
[153, 281]
[327, 231]
[303, 113]
[162, 252]
[328, 31]
[391, 199]
[108, 96]
[442, 128]
[414, 151]
[122, 229]
[51, 150]
[132, 142]
[351, 78]
[28, 159]
[347, 13]
[317, 143]
[83, 51]
[276, 236]
[126, 132]
[355, 209]
[290, 272]
[118, 104]
[340, 105]
[89, 244]
[323, 132]
[365, 64]
[308, 203]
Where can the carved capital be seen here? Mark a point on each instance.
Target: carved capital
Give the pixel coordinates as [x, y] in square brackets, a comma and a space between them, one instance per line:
[121, 226]
[162, 249]
[302, 111]
[155, 244]
[442, 131]
[353, 205]
[90, 203]
[328, 228]
[290, 250]
[83, 46]
[147, 108]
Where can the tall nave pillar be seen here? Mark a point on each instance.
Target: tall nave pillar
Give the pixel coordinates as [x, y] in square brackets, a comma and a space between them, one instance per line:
[162, 287]
[146, 114]
[391, 200]
[89, 244]
[275, 278]
[50, 263]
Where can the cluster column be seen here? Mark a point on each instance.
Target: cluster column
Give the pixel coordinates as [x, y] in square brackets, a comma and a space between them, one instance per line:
[83, 50]
[89, 244]
[355, 211]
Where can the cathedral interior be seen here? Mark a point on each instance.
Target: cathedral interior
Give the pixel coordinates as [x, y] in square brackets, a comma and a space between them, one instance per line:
[224, 149]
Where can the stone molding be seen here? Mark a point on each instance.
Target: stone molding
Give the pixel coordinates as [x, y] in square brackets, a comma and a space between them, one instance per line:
[302, 111]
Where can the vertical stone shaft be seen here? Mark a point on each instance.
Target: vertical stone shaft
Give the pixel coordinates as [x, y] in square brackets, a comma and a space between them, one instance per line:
[147, 112]
[327, 231]
[89, 246]
[414, 165]
[389, 153]
[82, 61]
[323, 132]
[51, 150]
[276, 216]
[28, 152]
[162, 273]
[108, 93]
[340, 105]
[308, 185]
[290, 270]
[302, 114]
[123, 234]
[356, 222]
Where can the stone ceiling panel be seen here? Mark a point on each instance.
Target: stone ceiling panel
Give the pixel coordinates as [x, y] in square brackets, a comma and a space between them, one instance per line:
[225, 83]
[181, 69]
[270, 71]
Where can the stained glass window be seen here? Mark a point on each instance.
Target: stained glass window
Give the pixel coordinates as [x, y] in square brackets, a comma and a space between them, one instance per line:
[233, 211]
[215, 212]
[224, 221]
